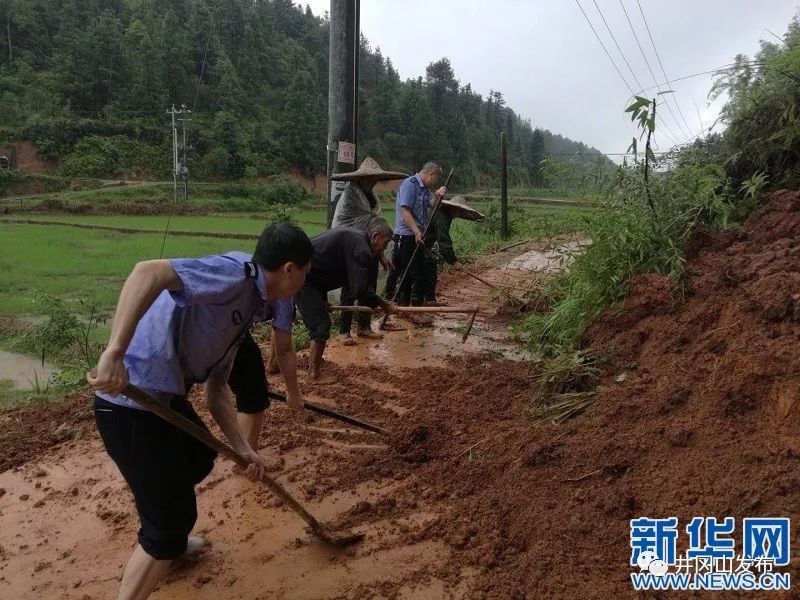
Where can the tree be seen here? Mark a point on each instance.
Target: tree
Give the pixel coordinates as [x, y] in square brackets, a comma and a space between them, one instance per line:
[537, 156]
[255, 74]
[95, 68]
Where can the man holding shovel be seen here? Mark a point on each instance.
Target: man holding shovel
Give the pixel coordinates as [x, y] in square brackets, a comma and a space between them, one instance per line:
[414, 203]
[342, 257]
[178, 322]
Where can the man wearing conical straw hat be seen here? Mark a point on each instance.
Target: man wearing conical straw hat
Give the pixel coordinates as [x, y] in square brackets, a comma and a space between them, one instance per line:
[439, 244]
[357, 206]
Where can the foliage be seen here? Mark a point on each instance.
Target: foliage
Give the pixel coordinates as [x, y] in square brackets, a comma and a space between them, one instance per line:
[285, 191]
[66, 337]
[628, 238]
[491, 224]
[761, 112]
[255, 76]
[9, 177]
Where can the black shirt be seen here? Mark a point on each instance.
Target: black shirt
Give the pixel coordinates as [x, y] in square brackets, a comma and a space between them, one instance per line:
[342, 257]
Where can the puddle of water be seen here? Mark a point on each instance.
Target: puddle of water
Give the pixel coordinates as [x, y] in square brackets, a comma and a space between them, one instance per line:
[23, 370]
[415, 347]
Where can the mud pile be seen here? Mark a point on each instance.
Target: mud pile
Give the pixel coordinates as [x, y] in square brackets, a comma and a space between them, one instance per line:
[28, 431]
[703, 423]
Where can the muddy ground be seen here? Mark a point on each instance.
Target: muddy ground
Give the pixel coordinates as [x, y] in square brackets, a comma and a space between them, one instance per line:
[67, 523]
[468, 498]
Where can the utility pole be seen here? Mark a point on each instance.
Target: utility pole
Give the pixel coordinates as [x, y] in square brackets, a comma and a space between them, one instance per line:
[342, 95]
[180, 172]
[503, 187]
[356, 63]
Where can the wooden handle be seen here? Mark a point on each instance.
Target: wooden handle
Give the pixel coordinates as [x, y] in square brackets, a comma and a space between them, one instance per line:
[436, 309]
[469, 326]
[334, 414]
[204, 436]
[481, 279]
[353, 308]
[412, 309]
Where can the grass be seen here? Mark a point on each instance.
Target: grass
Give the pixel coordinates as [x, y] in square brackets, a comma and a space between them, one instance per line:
[312, 221]
[91, 265]
[228, 197]
[82, 264]
[11, 396]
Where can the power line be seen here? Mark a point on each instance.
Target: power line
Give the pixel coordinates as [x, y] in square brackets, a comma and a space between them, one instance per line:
[649, 68]
[600, 12]
[722, 69]
[205, 55]
[602, 45]
[585, 16]
[699, 118]
[660, 64]
[627, 63]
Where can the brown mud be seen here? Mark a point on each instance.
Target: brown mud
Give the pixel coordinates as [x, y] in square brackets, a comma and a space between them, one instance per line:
[468, 498]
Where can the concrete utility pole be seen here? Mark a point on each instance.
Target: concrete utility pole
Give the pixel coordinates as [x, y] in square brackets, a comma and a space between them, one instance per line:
[503, 187]
[180, 172]
[342, 95]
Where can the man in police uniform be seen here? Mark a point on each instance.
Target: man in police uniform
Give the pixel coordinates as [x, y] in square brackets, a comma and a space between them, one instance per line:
[414, 204]
[178, 322]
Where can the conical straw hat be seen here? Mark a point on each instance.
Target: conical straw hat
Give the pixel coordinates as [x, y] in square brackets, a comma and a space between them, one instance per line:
[369, 168]
[458, 207]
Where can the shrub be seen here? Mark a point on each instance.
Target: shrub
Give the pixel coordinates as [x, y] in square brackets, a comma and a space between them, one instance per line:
[627, 238]
[216, 163]
[9, 177]
[285, 190]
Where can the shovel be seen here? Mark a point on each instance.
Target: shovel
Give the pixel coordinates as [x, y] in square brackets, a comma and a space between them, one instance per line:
[330, 536]
[321, 410]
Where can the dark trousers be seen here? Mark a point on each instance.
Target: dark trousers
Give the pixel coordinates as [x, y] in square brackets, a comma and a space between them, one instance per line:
[348, 299]
[411, 287]
[247, 379]
[161, 465]
[429, 278]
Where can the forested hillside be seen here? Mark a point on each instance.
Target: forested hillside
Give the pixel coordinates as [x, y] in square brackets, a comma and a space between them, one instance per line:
[89, 82]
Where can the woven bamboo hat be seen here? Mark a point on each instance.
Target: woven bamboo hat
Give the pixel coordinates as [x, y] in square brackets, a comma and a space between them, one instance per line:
[369, 168]
[458, 207]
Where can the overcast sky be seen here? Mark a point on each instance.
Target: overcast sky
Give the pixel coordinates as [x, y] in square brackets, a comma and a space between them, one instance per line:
[552, 70]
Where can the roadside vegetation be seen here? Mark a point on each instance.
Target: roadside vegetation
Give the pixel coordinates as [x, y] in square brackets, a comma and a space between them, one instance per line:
[652, 205]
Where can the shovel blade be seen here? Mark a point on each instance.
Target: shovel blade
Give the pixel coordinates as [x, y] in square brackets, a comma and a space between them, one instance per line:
[337, 537]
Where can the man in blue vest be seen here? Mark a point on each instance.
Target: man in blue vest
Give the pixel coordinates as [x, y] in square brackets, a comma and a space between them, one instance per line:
[178, 322]
[413, 206]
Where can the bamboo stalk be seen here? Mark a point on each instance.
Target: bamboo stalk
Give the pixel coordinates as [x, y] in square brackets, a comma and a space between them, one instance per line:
[481, 279]
[439, 256]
